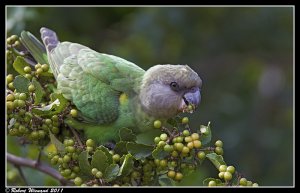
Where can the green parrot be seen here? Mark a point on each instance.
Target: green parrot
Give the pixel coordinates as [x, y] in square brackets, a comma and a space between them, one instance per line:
[112, 93]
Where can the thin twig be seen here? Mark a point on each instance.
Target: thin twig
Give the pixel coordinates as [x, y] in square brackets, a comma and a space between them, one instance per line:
[77, 137]
[21, 174]
[19, 161]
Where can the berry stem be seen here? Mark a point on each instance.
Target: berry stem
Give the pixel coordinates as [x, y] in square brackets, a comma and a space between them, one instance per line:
[21, 174]
[77, 137]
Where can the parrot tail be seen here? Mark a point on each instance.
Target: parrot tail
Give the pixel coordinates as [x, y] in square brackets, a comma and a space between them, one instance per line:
[49, 38]
[35, 47]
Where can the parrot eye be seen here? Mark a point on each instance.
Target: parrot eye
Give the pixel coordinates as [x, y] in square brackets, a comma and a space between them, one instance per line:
[174, 86]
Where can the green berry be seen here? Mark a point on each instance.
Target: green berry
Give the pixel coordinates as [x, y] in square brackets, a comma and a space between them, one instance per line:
[39, 71]
[38, 65]
[74, 113]
[243, 182]
[94, 171]
[227, 176]
[41, 133]
[212, 183]
[178, 146]
[54, 118]
[55, 130]
[76, 169]
[201, 155]
[171, 174]
[185, 150]
[190, 145]
[222, 168]
[31, 88]
[66, 159]
[188, 139]
[90, 143]
[178, 176]
[89, 149]
[116, 157]
[195, 136]
[230, 169]
[186, 132]
[161, 144]
[249, 183]
[168, 148]
[9, 78]
[45, 67]
[10, 105]
[219, 150]
[10, 97]
[156, 140]
[157, 124]
[99, 174]
[185, 120]
[174, 154]
[78, 181]
[27, 69]
[21, 103]
[163, 163]
[14, 38]
[34, 135]
[70, 149]
[219, 143]
[255, 184]
[11, 86]
[197, 143]
[221, 175]
[164, 137]
[70, 142]
[68, 172]
[179, 139]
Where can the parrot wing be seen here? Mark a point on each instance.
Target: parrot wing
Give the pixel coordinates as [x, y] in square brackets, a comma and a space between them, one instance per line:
[93, 81]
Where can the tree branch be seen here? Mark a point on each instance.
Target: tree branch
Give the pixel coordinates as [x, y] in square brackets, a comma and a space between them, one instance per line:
[19, 161]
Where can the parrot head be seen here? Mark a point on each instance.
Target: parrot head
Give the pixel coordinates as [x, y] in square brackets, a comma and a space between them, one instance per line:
[167, 90]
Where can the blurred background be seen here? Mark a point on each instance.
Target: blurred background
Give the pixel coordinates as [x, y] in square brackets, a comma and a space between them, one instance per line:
[244, 56]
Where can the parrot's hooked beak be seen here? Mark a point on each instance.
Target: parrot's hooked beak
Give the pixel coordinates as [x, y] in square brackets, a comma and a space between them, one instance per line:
[190, 100]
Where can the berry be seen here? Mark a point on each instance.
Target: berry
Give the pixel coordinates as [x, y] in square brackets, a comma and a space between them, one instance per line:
[21, 103]
[163, 163]
[212, 183]
[78, 181]
[243, 182]
[39, 71]
[164, 137]
[219, 150]
[34, 135]
[157, 124]
[195, 136]
[31, 88]
[70, 149]
[178, 146]
[11, 86]
[249, 183]
[197, 143]
[161, 144]
[186, 133]
[10, 97]
[94, 171]
[230, 169]
[27, 69]
[185, 150]
[190, 145]
[10, 105]
[222, 168]
[227, 176]
[22, 96]
[28, 76]
[66, 159]
[74, 113]
[41, 133]
[37, 66]
[99, 174]
[89, 148]
[179, 139]
[54, 118]
[188, 139]
[116, 157]
[219, 143]
[9, 78]
[201, 155]
[185, 120]
[55, 130]
[45, 67]
[168, 148]
[90, 143]
[156, 140]
[221, 175]
[174, 154]
[255, 184]
[178, 176]
[171, 174]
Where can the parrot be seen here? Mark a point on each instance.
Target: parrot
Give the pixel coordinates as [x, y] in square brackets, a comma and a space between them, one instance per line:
[110, 92]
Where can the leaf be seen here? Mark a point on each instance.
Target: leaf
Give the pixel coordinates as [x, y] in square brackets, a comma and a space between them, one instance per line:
[126, 134]
[84, 163]
[217, 160]
[99, 160]
[111, 172]
[218, 181]
[159, 153]
[127, 165]
[58, 145]
[206, 137]
[106, 151]
[120, 148]
[148, 136]
[21, 84]
[39, 91]
[11, 123]
[19, 64]
[163, 180]
[54, 108]
[139, 151]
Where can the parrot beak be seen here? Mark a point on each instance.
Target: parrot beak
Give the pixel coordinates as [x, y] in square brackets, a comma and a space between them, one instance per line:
[190, 100]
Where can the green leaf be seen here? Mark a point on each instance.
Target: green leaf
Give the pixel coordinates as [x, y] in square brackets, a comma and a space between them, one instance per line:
[39, 91]
[217, 160]
[84, 163]
[106, 151]
[126, 134]
[111, 172]
[19, 64]
[58, 105]
[120, 148]
[218, 181]
[139, 151]
[206, 137]
[127, 165]
[164, 180]
[21, 84]
[58, 145]
[99, 160]
[148, 136]
[159, 153]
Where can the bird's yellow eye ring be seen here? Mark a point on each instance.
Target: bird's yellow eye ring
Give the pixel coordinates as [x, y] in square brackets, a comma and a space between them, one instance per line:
[174, 86]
